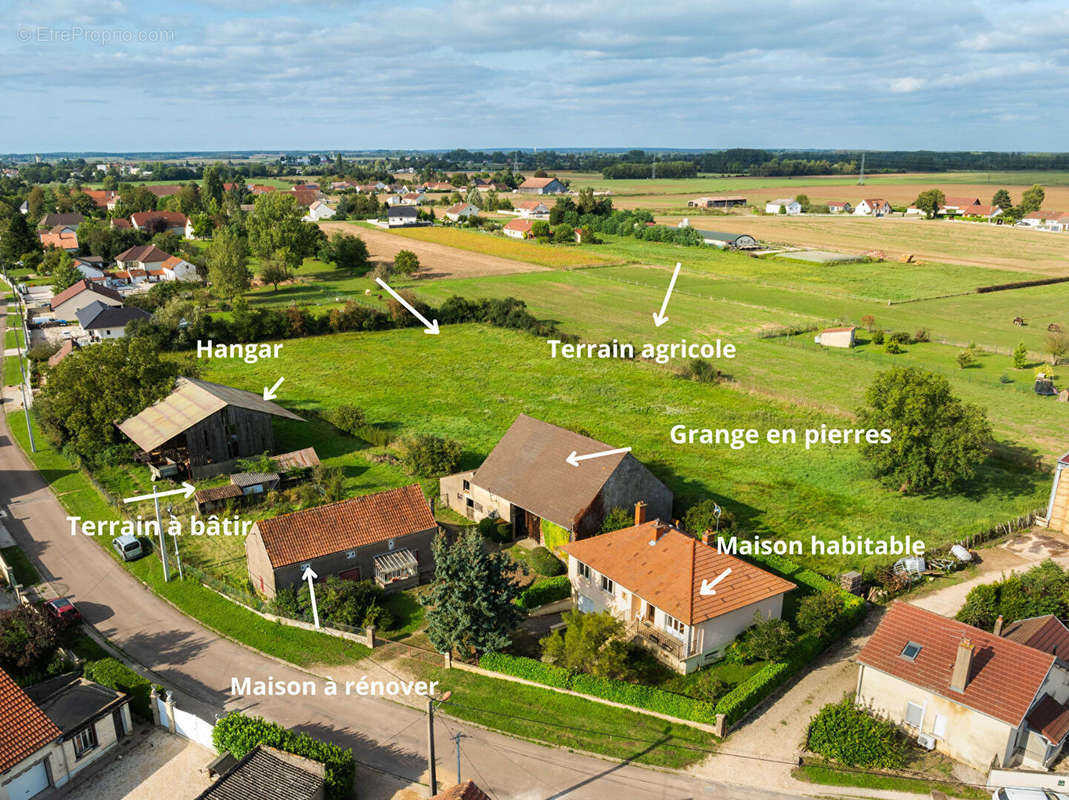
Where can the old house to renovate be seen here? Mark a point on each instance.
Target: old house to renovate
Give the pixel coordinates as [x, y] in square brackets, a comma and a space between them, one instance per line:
[542, 186]
[61, 237]
[385, 537]
[660, 581]
[837, 337]
[67, 304]
[200, 424]
[979, 697]
[1057, 516]
[266, 773]
[51, 731]
[102, 321]
[527, 482]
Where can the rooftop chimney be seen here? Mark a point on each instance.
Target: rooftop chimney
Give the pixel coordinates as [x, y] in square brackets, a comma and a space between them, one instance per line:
[959, 679]
[998, 626]
[707, 537]
[640, 512]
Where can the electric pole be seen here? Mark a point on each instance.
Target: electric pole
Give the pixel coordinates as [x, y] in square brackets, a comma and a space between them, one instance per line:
[456, 738]
[432, 768]
[861, 177]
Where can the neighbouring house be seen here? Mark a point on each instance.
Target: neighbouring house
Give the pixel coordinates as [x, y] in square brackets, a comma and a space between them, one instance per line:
[102, 321]
[120, 222]
[66, 304]
[462, 791]
[542, 186]
[872, 207]
[518, 228]
[959, 205]
[982, 698]
[727, 241]
[153, 222]
[980, 210]
[440, 186]
[838, 207]
[530, 208]
[413, 199]
[789, 206]
[91, 267]
[527, 482]
[837, 337]
[202, 423]
[70, 219]
[400, 216]
[659, 580]
[175, 268]
[459, 211]
[1044, 219]
[720, 201]
[306, 195]
[1057, 516]
[317, 211]
[104, 198]
[385, 537]
[141, 257]
[266, 773]
[62, 237]
[51, 731]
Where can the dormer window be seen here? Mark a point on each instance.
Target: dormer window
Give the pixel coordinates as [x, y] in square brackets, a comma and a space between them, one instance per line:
[910, 651]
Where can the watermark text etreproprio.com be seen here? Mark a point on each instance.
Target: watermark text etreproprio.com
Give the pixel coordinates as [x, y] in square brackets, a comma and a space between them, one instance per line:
[102, 36]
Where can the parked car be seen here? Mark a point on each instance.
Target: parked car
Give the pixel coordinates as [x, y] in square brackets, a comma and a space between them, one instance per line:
[1027, 794]
[128, 547]
[63, 609]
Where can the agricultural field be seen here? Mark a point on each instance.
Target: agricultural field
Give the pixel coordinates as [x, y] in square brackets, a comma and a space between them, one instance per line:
[469, 384]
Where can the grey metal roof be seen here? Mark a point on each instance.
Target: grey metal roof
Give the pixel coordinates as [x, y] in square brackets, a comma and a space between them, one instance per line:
[244, 479]
[298, 459]
[191, 401]
[402, 211]
[110, 316]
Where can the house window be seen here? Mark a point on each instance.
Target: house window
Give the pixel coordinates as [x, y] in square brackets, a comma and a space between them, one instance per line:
[914, 715]
[351, 554]
[84, 741]
[467, 486]
[390, 544]
[672, 624]
[582, 569]
[910, 651]
[607, 585]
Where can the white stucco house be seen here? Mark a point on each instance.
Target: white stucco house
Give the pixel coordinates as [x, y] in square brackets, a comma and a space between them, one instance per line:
[837, 337]
[789, 206]
[400, 216]
[459, 211]
[660, 582]
[317, 211]
[872, 207]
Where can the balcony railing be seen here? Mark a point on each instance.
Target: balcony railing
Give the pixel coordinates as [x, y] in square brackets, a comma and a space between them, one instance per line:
[659, 641]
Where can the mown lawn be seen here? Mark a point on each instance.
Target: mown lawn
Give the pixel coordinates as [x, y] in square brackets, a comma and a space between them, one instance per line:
[470, 382]
[838, 776]
[12, 373]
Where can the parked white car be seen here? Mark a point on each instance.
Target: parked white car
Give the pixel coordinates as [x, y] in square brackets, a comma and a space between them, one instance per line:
[1027, 794]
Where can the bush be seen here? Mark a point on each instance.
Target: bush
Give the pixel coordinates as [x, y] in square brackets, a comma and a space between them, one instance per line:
[406, 262]
[239, 734]
[966, 359]
[736, 703]
[426, 456]
[115, 675]
[877, 336]
[494, 530]
[702, 517]
[766, 640]
[700, 370]
[617, 519]
[819, 614]
[921, 335]
[545, 563]
[547, 590]
[853, 737]
[346, 418]
[893, 347]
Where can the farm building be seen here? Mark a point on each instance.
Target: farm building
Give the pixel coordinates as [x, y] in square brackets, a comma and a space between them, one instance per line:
[872, 207]
[385, 537]
[1057, 516]
[652, 576]
[837, 337]
[527, 482]
[542, 186]
[721, 201]
[787, 205]
[71, 300]
[201, 424]
[727, 241]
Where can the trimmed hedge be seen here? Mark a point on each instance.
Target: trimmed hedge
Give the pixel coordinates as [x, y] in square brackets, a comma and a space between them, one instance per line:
[114, 674]
[740, 700]
[547, 590]
[544, 562]
[631, 694]
[239, 734]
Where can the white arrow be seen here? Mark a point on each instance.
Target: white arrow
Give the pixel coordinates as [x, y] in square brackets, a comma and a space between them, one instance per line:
[272, 393]
[658, 317]
[309, 575]
[187, 489]
[428, 327]
[574, 459]
[707, 589]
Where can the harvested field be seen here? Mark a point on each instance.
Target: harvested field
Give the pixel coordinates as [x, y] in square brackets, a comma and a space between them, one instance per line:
[439, 261]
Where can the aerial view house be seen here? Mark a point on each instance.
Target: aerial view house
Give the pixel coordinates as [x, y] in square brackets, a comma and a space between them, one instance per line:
[91, 267]
[982, 698]
[527, 482]
[542, 186]
[71, 300]
[1057, 516]
[70, 219]
[872, 207]
[837, 337]
[727, 241]
[201, 427]
[385, 537]
[960, 205]
[659, 581]
[53, 730]
[720, 201]
[400, 216]
[783, 206]
[61, 237]
[102, 321]
[270, 774]
[530, 208]
[518, 228]
[840, 207]
[154, 222]
[141, 257]
[318, 210]
[459, 211]
[178, 269]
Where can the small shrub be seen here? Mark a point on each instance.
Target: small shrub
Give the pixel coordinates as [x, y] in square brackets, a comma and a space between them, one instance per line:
[878, 336]
[545, 563]
[346, 418]
[901, 337]
[766, 640]
[818, 614]
[893, 347]
[921, 335]
[853, 737]
[966, 358]
[427, 456]
[702, 517]
[547, 590]
[617, 519]
[700, 370]
[1020, 356]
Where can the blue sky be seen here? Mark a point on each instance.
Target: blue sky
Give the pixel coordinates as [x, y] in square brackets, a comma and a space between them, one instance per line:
[118, 75]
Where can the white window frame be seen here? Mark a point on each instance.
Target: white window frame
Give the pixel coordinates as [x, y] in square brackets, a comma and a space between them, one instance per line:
[582, 570]
[84, 741]
[350, 554]
[920, 723]
[673, 625]
[608, 585]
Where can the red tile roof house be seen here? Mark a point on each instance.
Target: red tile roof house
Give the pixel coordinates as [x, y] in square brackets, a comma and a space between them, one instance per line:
[73, 299]
[160, 222]
[142, 257]
[664, 585]
[872, 207]
[542, 186]
[385, 537]
[518, 228]
[976, 696]
[528, 482]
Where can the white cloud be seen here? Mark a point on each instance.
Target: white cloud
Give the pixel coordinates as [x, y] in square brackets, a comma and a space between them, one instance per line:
[907, 85]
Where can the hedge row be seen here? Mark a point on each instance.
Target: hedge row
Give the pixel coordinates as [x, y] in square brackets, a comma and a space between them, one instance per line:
[547, 590]
[631, 694]
[738, 702]
[240, 734]
[115, 675]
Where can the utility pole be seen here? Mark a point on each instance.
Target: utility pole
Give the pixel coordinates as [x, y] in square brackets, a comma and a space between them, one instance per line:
[456, 738]
[861, 177]
[163, 549]
[177, 556]
[432, 768]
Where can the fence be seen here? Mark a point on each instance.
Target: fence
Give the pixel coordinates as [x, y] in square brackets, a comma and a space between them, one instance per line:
[179, 722]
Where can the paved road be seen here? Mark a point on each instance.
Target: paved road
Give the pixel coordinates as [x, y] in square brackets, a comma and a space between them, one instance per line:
[382, 734]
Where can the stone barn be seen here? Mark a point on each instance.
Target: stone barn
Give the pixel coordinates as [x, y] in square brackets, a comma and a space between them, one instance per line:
[527, 482]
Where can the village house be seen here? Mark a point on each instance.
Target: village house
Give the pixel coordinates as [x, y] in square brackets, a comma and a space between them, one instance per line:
[542, 186]
[789, 206]
[986, 212]
[103, 198]
[413, 199]
[385, 537]
[201, 427]
[102, 321]
[51, 731]
[175, 268]
[141, 257]
[518, 228]
[1044, 219]
[720, 201]
[400, 216]
[872, 207]
[660, 582]
[839, 207]
[71, 218]
[981, 698]
[459, 211]
[527, 482]
[66, 304]
[61, 237]
[154, 222]
[318, 210]
[837, 337]
[91, 267]
[959, 205]
[530, 208]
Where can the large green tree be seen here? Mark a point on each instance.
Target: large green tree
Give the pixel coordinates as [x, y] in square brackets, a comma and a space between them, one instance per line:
[228, 259]
[937, 441]
[65, 273]
[1032, 199]
[346, 251]
[16, 238]
[1002, 199]
[930, 201]
[591, 643]
[275, 222]
[471, 609]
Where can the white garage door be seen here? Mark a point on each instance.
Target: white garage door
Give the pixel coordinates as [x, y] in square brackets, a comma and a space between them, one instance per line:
[28, 784]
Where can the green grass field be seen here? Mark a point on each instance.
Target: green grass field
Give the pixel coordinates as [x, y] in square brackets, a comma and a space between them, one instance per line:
[470, 383]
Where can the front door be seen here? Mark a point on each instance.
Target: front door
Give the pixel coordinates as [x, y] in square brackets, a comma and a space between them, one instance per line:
[120, 726]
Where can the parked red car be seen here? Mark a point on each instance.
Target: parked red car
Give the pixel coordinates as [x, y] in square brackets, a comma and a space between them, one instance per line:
[63, 609]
